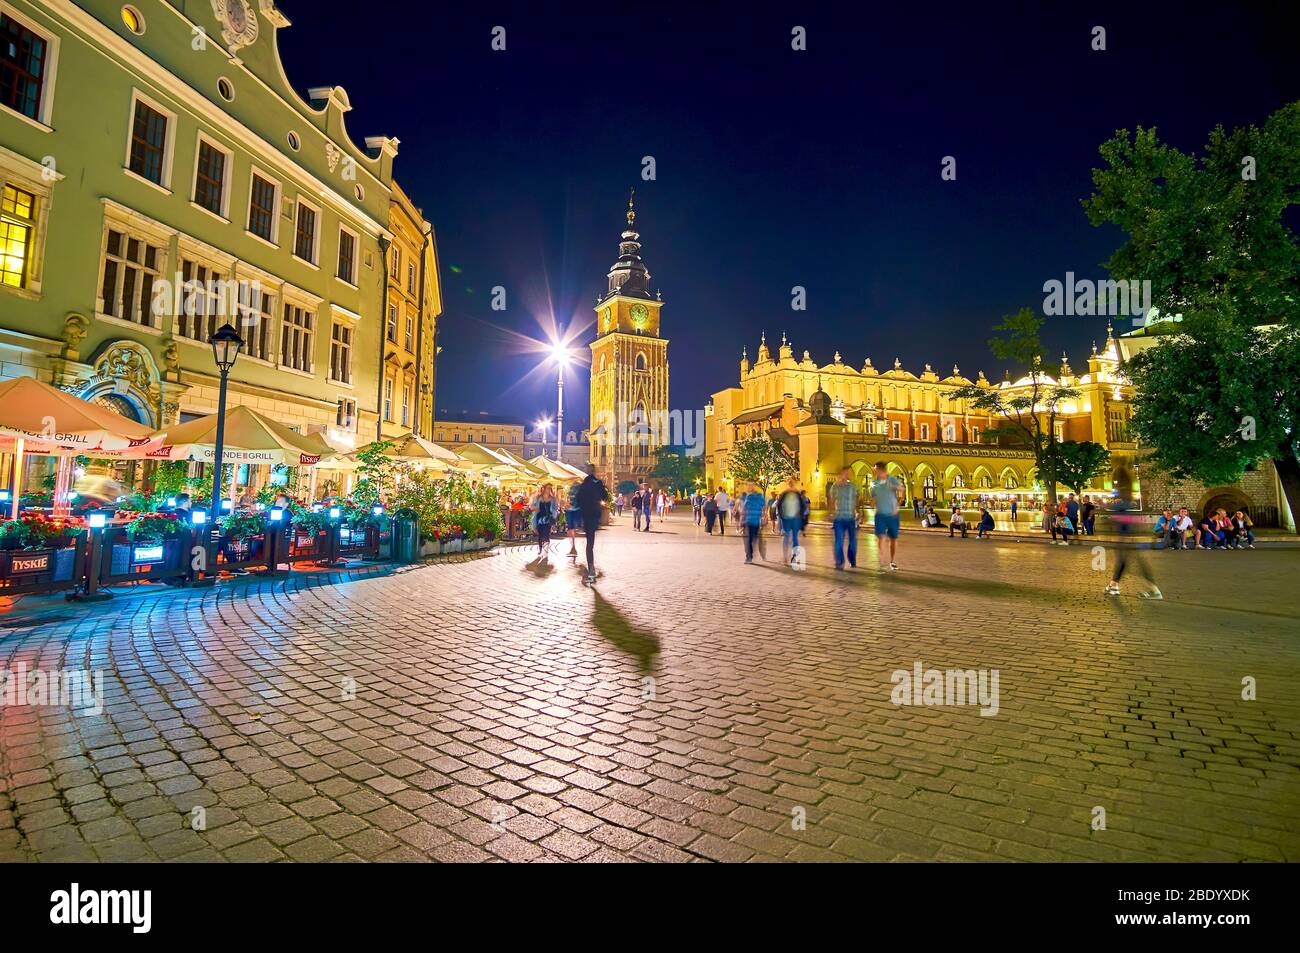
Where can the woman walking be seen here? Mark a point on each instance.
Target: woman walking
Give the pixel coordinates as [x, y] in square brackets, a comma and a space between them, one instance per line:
[545, 511]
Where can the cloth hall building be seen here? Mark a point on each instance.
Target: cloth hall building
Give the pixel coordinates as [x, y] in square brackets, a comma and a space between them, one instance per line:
[834, 415]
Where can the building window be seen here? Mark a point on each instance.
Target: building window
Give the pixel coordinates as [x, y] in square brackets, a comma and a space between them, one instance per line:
[388, 398]
[925, 431]
[347, 269]
[341, 353]
[256, 311]
[261, 208]
[346, 416]
[296, 336]
[24, 56]
[148, 143]
[410, 278]
[395, 265]
[406, 404]
[950, 433]
[304, 238]
[391, 331]
[17, 223]
[928, 488]
[1011, 482]
[210, 179]
[640, 361]
[974, 434]
[131, 265]
[202, 310]
[895, 430]
[410, 332]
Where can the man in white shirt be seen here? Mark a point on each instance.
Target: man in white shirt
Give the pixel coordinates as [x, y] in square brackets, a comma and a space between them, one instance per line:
[1182, 526]
[723, 503]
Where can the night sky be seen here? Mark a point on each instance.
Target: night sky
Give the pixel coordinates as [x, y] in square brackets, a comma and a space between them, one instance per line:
[775, 168]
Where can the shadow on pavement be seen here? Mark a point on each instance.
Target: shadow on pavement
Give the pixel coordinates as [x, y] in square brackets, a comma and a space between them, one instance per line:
[615, 627]
[539, 566]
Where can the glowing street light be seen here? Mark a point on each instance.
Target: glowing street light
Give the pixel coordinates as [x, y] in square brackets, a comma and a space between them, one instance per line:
[560, 354]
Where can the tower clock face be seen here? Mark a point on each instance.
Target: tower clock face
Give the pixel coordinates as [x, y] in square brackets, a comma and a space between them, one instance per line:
[639, 315]
[607, 320]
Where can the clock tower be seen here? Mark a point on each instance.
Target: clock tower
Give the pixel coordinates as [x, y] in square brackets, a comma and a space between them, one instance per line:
[629, 369]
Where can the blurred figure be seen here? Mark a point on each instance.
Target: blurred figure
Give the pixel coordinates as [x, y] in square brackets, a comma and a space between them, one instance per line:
[1127, 552]
[751, 507]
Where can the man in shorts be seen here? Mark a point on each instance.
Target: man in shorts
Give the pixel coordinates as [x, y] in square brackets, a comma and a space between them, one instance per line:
[885, 489]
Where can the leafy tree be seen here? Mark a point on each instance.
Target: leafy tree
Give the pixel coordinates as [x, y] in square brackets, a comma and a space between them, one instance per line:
[1207, 231]
[1211, 234]
[1029, 413]
[675, 469]
[1076, 462]
[1208, 410]
[762, 460]
[376, 475]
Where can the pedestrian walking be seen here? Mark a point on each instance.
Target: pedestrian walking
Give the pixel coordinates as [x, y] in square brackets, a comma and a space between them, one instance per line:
[723, 504]
[1127, 556]
[843, 500]
[591, 499]
[886, 490]
[790, 509]
[710, 510]
[545, 511]
[751, 507]
[1013, 511]
[573, 519]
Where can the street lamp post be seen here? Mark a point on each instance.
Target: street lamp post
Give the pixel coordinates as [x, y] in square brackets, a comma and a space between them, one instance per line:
[226, 344]
[561, 355]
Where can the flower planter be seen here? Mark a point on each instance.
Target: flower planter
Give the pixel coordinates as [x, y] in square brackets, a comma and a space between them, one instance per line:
[144, 555]
[36, 566]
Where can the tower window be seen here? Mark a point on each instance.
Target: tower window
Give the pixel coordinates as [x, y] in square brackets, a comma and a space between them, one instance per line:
[641, 362]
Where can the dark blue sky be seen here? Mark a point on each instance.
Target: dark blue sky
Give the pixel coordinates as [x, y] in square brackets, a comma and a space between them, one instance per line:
[775, 168]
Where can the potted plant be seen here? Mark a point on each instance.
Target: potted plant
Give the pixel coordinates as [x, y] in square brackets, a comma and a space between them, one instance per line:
[151, 539]
[243, 536]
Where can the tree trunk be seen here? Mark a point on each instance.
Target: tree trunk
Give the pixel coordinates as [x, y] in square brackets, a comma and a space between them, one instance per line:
[1288, 473]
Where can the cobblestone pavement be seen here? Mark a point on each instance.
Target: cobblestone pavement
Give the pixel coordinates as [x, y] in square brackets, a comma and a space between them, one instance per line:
[503, 711]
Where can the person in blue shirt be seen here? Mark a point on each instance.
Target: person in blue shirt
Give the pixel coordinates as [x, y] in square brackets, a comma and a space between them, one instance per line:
[985, 528]
[752, 505]
[545, 511]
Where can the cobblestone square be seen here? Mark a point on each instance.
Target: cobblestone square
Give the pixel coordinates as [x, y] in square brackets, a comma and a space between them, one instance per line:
[687, 707]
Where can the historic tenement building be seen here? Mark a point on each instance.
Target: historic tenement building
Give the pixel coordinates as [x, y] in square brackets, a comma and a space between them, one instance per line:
[832, 415]
[161, 177]
[629, 369]
[413, 304]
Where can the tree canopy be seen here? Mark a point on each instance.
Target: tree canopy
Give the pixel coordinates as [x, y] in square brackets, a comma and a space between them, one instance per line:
[1211, 234]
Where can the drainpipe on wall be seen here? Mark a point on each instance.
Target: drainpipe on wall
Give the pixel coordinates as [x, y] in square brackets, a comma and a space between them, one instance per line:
[419, 337]
[384, 244]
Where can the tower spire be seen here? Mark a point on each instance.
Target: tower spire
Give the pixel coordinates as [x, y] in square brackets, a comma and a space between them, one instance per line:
[629, 275]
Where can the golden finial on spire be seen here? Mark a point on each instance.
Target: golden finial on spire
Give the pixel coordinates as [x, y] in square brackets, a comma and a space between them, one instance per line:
[631, 210]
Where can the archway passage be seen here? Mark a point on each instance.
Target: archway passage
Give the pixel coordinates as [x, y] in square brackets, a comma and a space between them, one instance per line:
[1227, 499]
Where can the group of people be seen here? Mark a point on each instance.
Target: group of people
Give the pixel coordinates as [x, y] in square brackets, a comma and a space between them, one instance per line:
[586, 502]
[645, 504]
[1215, 530]
[957, 522]
[787, 510]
